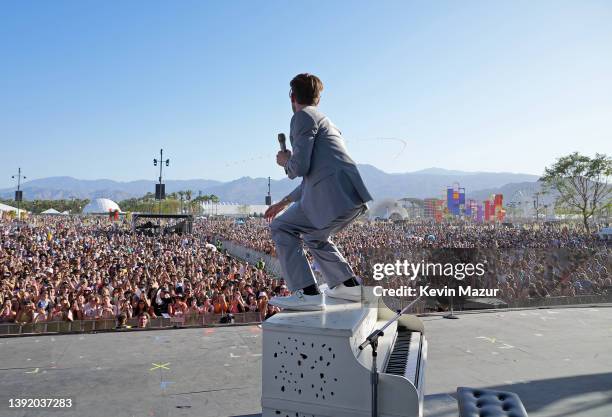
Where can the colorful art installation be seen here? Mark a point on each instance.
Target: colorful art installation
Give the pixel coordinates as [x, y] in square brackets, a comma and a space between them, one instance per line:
[455, 199]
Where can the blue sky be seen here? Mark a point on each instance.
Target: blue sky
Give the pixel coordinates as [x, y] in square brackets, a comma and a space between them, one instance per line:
[94, 89]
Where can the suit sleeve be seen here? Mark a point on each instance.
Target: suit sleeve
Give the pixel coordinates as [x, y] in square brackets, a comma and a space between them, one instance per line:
[296, 193]
[305, 130]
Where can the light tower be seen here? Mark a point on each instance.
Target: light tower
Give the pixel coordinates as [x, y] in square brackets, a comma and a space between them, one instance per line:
[160, 188]
[18, 192]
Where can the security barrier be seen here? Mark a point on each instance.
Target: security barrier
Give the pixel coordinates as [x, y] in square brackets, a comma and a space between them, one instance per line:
[252, 256]
[85, 326]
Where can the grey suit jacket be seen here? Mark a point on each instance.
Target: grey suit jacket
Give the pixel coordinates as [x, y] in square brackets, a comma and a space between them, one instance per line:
[331, 184]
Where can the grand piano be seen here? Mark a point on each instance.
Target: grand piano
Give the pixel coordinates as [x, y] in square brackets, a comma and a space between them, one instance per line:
[312, 364]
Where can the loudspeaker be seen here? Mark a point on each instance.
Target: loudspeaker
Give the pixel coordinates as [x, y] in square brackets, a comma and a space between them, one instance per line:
[19, 195]
[160, 191]
[268, 200]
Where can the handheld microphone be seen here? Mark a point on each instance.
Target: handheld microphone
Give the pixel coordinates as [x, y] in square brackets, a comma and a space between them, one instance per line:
[282, 141]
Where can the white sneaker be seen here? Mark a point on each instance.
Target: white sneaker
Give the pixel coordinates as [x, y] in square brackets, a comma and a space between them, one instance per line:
[299, 301]
[345, 293]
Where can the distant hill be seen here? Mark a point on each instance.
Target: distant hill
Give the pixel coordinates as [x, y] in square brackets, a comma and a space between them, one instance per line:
[433, 182]
[517, 192]
[420, 184]
[58, 188]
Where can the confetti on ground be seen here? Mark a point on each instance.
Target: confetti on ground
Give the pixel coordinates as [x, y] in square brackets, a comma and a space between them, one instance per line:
[490, 339]
[35, 371]
[160, 366]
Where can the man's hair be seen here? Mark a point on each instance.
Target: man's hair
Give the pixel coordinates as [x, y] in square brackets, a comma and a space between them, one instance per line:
[307, 89]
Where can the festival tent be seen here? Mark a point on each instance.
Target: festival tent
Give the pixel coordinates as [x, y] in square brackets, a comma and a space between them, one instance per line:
[4, 207]
[101, 206]
[51, 211]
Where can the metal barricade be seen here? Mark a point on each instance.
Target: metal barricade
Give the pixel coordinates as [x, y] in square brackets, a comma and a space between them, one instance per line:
[85, 326]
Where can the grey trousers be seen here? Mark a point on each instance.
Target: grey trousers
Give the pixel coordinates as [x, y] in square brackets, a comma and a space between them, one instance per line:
[291, 229]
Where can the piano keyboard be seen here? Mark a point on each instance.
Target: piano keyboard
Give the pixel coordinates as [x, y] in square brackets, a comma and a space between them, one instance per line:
[405, 357]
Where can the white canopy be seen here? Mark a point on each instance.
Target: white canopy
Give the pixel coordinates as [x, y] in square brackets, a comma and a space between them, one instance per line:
[101, 206]
[4, 207]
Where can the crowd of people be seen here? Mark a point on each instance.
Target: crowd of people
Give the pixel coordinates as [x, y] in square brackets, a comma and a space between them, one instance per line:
[84, 268]
[71, 268]
[524, 262]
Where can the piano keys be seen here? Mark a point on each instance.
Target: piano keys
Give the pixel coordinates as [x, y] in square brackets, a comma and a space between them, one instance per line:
[405, 356]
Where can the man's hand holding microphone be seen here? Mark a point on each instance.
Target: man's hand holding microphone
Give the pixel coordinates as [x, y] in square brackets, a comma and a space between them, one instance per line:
[282, 157]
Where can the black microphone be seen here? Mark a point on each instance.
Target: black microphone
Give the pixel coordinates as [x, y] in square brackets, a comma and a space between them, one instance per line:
[282, 140]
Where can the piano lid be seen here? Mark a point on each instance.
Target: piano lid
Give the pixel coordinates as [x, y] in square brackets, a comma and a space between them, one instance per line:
[340, 318]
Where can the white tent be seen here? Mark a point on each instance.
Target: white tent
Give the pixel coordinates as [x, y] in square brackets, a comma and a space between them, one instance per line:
[101, 206]
[233, 209]
[51, 211]
[4, 207]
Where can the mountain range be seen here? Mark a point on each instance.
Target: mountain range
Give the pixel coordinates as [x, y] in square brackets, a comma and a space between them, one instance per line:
[430, 182]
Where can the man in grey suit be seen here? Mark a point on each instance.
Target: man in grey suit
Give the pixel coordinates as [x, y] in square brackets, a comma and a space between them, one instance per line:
[330, 196]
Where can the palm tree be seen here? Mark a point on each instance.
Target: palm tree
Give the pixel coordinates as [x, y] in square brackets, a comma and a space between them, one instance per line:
[181, 194]
[215, 200]
[188, 194]
[205, 199]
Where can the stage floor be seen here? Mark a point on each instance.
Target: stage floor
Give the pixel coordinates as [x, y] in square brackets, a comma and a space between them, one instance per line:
[558, 360]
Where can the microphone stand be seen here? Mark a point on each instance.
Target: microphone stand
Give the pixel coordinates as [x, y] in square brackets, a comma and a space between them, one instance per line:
[451, 315]
[372, 340]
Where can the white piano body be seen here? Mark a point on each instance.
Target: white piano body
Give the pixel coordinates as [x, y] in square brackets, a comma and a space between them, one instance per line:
[312, 365]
